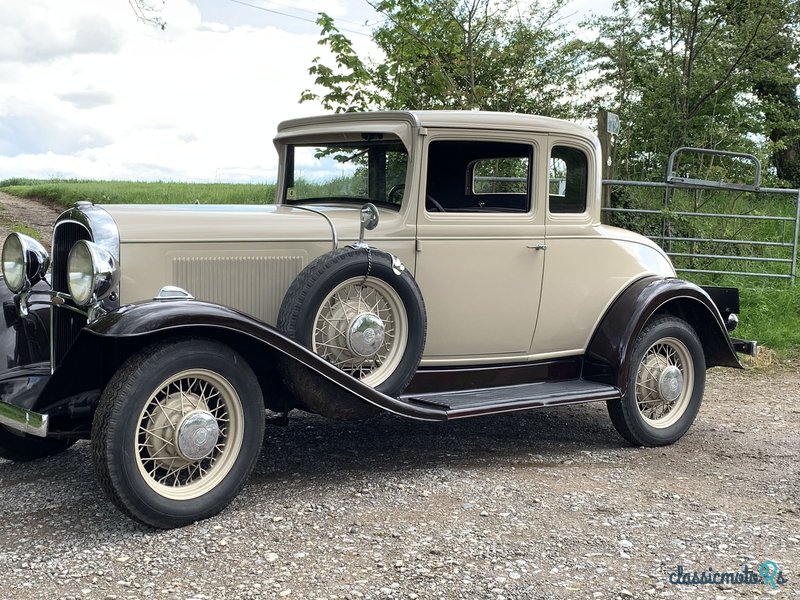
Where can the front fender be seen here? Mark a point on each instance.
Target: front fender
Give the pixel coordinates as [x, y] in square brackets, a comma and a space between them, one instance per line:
[106, 343]
[609, 353]
[24, 347]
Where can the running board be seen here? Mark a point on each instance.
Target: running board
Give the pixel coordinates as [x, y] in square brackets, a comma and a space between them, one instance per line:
[486, 401]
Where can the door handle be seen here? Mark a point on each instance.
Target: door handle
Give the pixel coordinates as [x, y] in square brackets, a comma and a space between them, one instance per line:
[538, 246]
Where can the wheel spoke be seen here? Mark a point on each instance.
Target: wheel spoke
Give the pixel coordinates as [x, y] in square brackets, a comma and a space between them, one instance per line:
[157, 446]
[658, 362]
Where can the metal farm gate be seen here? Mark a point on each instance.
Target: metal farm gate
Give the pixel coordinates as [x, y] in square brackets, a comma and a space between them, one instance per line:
[703, 234]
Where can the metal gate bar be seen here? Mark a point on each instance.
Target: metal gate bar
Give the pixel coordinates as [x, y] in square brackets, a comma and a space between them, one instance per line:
[673, 182]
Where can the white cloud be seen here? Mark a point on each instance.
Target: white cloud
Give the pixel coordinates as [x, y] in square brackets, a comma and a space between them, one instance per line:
[89, 92]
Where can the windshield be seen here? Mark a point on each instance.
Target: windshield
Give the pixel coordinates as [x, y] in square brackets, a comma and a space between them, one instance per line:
[371, 170]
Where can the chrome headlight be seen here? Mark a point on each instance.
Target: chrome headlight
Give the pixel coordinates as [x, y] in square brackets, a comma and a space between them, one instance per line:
[25, 262]
[92, 273]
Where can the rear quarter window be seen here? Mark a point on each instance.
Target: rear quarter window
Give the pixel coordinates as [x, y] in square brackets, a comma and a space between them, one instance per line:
[568, 180]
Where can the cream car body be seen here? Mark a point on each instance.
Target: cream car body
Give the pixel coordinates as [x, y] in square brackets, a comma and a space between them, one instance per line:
[434, 265]
[224, 253]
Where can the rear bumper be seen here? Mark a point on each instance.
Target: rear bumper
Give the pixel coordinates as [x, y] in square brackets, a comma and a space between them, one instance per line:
[23, 420]
[749, 347]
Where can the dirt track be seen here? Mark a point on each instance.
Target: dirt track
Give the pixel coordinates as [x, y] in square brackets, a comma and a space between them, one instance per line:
[39, 216]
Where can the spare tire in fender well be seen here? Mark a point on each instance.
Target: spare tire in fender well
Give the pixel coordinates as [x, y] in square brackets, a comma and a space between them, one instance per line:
[608, 353]
[328, 306]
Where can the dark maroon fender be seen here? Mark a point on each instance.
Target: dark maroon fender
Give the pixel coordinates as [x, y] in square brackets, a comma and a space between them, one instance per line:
[24, 347]
[608, 356]
[104, 345]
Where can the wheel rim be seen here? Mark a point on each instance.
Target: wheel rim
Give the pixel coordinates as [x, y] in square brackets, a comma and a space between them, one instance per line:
[664, 382]
[189, 434]
[362, 328]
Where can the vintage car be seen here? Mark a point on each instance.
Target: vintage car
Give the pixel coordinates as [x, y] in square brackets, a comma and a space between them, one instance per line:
[434, 265]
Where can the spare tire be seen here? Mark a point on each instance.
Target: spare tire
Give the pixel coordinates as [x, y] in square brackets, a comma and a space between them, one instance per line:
[362, 313]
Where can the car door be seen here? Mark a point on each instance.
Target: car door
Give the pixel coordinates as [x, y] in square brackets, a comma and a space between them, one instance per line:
[480, 245]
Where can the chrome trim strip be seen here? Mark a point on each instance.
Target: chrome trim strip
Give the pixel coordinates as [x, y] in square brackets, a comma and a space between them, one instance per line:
[173, 292]
[23, 420]
[327, 218]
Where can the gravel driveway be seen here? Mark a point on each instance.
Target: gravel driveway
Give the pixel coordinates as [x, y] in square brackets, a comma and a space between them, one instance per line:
[545, 504]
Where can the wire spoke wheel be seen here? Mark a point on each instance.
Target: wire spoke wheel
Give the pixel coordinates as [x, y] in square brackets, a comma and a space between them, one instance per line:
[664, 382]
[664, 386]
[189, 434]
[362, 328]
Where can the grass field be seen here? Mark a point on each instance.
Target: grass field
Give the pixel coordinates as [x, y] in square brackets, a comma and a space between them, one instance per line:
[68, 192]
[770, 311]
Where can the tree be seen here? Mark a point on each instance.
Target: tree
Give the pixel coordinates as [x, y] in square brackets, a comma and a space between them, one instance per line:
[711, 73]
[454, 54]
[147, 12]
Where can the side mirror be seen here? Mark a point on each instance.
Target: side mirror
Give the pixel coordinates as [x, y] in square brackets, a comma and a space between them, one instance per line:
[369, 221]
[369, 216]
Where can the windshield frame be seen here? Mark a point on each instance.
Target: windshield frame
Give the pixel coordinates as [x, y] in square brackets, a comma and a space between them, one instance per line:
[377, 184]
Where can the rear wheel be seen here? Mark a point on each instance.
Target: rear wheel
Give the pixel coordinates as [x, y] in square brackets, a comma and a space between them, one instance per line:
[177, 432]
[666, 380]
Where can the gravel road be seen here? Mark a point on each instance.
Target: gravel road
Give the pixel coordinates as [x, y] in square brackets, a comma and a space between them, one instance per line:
[545, 504]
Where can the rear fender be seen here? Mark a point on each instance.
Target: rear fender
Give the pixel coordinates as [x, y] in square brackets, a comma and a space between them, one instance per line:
[609, 353]
[105, 344]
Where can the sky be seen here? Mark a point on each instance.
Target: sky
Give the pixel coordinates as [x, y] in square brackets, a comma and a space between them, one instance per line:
[88, 91]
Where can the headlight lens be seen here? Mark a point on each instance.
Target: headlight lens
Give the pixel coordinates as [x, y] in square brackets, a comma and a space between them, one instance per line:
[92, 273]
[25, 262]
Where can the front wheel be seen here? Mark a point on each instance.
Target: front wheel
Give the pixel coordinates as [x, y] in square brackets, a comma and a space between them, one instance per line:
[177, 431]
[666, 380]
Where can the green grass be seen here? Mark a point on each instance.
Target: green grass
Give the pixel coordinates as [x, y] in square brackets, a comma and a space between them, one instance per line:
[771, 315]
[769, 311]
[24, 229]
[68, 192]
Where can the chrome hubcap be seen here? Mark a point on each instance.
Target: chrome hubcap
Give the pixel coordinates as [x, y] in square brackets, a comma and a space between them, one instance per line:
[664, 382]
[198, 434]
[670, 383]
[365, 334]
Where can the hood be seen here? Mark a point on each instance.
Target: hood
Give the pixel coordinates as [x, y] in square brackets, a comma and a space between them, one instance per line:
[176, 223]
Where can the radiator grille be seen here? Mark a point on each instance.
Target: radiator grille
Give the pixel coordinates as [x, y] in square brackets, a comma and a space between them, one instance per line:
[66, 325]
[252, 284]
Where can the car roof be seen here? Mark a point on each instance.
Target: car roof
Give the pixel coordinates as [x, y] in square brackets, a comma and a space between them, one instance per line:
[460, 119]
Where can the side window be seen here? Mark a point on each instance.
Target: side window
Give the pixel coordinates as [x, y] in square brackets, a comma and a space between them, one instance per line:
[500, 175]
[478, 176]
[568, 180]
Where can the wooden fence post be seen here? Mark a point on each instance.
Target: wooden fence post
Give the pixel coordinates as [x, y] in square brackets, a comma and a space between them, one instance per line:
[606, 134]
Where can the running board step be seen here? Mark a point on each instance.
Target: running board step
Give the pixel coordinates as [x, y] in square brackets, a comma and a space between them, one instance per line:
[472, 403]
